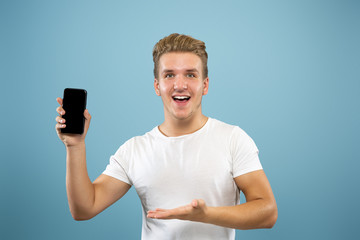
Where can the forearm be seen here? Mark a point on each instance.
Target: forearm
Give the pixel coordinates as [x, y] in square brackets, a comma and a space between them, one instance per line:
[258, 213]
[80, 190]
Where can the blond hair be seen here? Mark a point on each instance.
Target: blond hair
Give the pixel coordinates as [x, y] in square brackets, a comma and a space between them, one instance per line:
[179, 43]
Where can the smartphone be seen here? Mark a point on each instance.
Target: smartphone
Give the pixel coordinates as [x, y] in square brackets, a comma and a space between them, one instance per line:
[74, 104]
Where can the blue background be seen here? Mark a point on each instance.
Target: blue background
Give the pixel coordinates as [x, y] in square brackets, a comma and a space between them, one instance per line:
[287, 72]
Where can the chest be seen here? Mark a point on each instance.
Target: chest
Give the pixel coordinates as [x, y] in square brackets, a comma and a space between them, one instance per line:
[175, 173]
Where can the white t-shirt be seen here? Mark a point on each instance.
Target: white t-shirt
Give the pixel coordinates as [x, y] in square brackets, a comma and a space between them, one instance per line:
[169, 172]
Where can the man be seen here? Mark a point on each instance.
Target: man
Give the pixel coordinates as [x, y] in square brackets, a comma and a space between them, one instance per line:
[190, 167]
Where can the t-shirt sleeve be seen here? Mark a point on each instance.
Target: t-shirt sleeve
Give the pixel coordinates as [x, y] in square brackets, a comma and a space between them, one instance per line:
[245, 154]
[118, 166]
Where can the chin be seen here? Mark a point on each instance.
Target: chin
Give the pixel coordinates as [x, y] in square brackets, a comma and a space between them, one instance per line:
[182, 116]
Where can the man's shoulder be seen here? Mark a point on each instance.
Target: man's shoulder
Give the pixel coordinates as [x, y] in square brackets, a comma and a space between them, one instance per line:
[223, 126]
[141, 139]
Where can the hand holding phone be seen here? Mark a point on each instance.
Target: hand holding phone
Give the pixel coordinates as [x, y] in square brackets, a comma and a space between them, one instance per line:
[74, 120]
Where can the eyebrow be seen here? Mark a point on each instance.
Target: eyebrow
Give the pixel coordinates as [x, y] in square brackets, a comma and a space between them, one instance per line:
[167, 70]
[187, 70]
[192, 70]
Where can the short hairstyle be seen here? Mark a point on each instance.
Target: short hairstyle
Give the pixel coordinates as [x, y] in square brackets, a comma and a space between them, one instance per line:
[179, 43]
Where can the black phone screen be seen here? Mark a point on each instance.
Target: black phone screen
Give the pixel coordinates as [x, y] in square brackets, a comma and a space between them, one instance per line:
[74, 104]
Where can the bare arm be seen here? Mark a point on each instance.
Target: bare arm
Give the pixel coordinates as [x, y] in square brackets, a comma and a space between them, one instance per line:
[86, 199]
[259, 211]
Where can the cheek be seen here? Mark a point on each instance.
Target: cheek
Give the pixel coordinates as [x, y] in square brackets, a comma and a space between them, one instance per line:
[197, 88]
[164, 88]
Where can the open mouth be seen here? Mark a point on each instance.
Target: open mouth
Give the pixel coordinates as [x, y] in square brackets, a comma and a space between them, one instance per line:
[181, 98]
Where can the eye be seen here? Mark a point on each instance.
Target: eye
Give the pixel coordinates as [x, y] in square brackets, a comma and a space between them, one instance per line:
[169, 75]
[190, 75]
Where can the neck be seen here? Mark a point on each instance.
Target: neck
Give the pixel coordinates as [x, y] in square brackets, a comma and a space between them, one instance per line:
[177, 127]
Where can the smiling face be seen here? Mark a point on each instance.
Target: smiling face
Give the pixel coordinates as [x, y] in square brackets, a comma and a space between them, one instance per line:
[181, 85]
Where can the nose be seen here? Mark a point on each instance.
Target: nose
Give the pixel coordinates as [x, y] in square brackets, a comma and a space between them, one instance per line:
[180, 83]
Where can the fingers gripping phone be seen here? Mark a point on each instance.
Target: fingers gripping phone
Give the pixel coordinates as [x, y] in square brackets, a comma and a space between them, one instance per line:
[74, 104]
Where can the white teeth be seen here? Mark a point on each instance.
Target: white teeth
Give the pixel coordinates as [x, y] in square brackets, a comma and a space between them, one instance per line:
[181, 97]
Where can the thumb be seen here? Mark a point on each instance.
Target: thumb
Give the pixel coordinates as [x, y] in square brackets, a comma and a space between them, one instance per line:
[87, 120]
[195, 203]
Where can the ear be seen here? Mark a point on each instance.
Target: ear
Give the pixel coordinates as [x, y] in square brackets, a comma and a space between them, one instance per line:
[156, 86]
[206, 86]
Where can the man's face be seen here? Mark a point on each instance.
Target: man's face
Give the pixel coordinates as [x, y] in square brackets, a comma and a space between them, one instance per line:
[181, 85]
